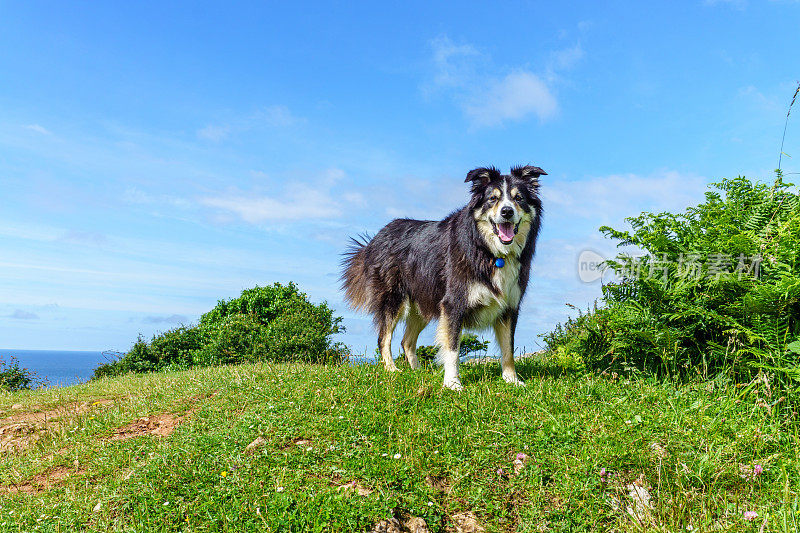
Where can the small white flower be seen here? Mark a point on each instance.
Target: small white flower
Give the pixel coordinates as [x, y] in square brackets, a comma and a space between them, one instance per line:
[279, 489]
[397, 456]
[165, 504]
[430, 504]
[384, 454]
[341, 417]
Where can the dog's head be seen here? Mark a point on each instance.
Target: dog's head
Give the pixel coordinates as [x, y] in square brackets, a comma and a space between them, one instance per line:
[505, 205]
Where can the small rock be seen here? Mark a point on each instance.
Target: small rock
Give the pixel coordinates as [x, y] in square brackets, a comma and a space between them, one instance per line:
[658, 450]
[641, 507]
[251, 448]
[387, 526]
[17, 406]
[467, 523]
[416, 524]
[97, 507]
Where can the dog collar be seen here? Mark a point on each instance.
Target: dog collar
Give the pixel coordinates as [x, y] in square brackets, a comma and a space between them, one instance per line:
[499, 262]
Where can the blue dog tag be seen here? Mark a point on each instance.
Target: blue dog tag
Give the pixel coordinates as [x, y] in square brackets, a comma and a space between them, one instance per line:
[499, 262]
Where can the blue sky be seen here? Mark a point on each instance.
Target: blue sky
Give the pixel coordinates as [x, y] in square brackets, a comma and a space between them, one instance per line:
[157, 157]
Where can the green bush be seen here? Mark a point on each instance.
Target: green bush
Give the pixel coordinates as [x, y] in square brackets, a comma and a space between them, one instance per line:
[273, 323]
[14, 378]
[718, 290]
[470, 344]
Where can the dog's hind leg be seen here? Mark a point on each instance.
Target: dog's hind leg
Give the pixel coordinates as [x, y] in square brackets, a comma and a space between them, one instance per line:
[448, 337]
[414, 326]
[385, 330]
[504, 331]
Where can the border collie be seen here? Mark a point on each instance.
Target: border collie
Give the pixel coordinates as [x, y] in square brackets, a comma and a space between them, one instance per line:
[469, 270]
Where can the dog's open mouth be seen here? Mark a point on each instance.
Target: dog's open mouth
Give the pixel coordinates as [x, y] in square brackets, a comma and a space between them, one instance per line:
[505, 231]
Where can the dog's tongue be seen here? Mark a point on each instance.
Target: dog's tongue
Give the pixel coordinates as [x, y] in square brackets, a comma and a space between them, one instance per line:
[506, 230]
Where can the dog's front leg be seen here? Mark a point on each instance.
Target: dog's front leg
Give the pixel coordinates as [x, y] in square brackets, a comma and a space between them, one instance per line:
[504, 331]
[448, 337]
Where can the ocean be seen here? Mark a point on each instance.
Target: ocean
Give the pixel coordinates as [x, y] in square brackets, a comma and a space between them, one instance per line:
[59, 368]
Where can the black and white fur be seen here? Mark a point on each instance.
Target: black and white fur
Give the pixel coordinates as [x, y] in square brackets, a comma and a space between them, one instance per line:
[420, 270]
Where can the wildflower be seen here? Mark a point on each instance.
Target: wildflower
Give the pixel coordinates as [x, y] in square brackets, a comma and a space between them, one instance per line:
[397, 456]
[430, 504]
[603, 475]
[750, 515]
[279, 489]
[521, 456]
[757, 470]
[500, 472]
[223, 474]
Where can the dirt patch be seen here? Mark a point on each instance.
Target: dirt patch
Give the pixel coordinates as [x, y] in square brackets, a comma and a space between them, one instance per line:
[401, 523]
[254, 446]
[356, 487]
[162, 425]
[465, 522]
[297, 441]
[16, 437]
[43, 481]
[438, 483]
[44, 417]
[21, 430]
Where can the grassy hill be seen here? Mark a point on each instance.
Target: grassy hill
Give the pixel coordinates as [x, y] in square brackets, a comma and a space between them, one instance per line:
[340, 448]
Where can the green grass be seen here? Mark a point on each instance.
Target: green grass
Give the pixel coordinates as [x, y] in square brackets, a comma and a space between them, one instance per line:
[421, 450]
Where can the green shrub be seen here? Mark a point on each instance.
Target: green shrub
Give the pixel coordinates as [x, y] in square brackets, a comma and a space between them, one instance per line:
[470, 344]
[273, 323]
[718, 290]
[14, 378]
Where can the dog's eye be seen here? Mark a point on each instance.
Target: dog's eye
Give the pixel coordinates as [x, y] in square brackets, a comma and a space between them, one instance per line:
[518, 198]
[492, 199]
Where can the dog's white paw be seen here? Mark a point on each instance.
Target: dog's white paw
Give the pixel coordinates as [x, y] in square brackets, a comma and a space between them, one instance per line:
[453, 384]
[513, 379]
[392, 368]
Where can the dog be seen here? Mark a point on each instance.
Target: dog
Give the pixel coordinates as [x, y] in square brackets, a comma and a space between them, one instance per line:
[469, 270]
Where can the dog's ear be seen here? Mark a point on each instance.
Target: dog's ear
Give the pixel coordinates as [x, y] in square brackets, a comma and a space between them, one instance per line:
[528, 172]
[481, 176]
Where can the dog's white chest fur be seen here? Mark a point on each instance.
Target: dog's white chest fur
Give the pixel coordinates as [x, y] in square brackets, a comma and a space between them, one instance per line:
[486, 305]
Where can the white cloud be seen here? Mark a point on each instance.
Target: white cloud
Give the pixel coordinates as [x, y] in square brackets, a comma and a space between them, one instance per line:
[19, 314]
[512, 98]
[300, 202]
[171, 319]
[274, 116]
[38, 129]
[609, 199]
[453, 64]
[487, 98]
[568, 57]
[133, 195]
[278, 116]
[736, 4]
[213, 133]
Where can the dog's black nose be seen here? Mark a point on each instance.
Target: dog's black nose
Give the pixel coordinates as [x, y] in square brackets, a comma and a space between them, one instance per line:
[507, 212]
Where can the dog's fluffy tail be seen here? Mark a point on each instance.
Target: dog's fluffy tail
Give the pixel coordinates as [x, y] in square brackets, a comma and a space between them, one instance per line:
[354, 278]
